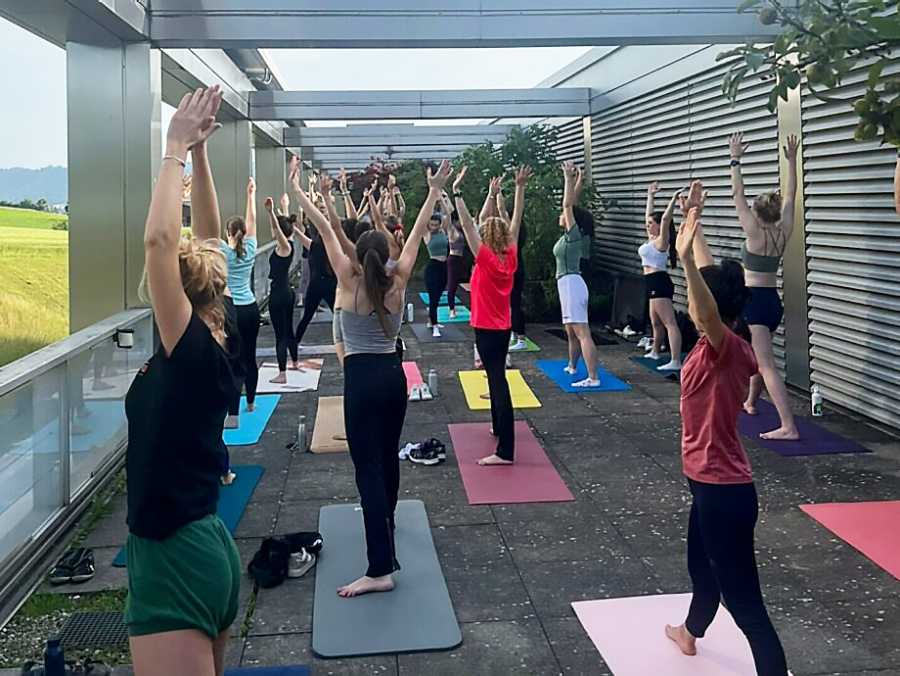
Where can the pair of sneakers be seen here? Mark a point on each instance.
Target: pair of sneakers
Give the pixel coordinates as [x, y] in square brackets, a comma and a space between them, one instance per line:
[585, 382]
[431, 452]
[76, 566]
[672, 365]
[420, 393]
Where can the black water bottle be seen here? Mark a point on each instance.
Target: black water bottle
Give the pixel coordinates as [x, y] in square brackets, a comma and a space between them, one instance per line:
[54, 659]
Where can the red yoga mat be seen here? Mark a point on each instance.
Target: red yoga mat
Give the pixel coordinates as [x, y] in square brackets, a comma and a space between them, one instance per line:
[413, 376]
[870, 527]
[531, 479]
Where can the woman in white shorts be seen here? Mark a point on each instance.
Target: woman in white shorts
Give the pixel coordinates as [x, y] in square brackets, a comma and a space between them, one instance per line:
[573, 292]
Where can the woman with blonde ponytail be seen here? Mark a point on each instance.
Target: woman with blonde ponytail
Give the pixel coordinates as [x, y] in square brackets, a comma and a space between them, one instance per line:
[183, 567]
[374, 382]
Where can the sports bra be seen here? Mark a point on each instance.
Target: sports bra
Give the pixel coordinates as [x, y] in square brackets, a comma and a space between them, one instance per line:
[651, 257]
[364, 334]
[438, 244]
[774, 241]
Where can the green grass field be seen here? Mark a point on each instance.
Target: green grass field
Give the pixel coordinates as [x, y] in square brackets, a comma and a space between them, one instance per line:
[34, 282]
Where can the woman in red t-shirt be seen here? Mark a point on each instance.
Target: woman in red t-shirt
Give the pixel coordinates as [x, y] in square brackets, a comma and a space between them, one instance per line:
[496, 259]
[714, 382]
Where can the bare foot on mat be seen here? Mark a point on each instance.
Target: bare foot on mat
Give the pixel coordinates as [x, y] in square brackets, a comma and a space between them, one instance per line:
[280, 379]
[366, 585]
[682, 638]
[781, 434]
[494, 460]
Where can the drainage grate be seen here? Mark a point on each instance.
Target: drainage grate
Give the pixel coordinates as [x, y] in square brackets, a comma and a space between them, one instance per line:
[94, 630]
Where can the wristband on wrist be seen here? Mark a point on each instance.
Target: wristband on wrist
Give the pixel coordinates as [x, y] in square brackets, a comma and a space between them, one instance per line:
[177, 159]
[457, 193]
[735, 162]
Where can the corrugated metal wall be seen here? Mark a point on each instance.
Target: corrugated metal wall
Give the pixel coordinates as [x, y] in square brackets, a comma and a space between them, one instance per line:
[853, 250]
[672, 135]
[570, 142]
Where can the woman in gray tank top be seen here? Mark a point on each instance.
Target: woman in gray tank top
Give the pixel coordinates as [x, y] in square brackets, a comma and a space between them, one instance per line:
[374, 382]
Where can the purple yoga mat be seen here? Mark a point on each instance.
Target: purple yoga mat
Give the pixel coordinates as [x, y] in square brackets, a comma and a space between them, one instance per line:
[532, 479]
[814, 439]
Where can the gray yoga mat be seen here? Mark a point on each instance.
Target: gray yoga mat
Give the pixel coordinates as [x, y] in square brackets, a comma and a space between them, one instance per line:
[417, 615]
[449, 334]
[302, 350]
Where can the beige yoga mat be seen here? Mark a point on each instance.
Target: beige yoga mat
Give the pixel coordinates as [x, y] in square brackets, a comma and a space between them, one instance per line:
[328, 434]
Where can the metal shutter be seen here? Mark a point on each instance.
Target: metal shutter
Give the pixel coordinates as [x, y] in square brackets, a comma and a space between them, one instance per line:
[570, 142]
[853, 249]
[672, 135]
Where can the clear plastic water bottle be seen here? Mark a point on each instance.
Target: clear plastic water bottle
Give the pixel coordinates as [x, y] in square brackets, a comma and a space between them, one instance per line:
[301, 433]
[410, 312]
[54, 659]
[817, 401]
[433, 382]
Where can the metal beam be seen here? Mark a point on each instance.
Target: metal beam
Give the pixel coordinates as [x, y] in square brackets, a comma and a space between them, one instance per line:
[394, 135]
[326, 154]
[334, 24]
[420, 105]
[93, 22]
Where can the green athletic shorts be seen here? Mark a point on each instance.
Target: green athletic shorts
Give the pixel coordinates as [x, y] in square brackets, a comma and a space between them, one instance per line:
[190, 580]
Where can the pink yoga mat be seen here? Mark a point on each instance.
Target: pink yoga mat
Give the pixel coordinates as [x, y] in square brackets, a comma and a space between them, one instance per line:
[532, 479]
[870, 527]
[630, 635]
[413, 375]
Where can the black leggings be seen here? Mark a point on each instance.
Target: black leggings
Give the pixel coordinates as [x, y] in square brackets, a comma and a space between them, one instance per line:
[248, 328]
[493, 346]
[722, 563]
[515, 301]
[319, 289]
[454, 277]
[281, 312]
[435, 283]
[374, 411]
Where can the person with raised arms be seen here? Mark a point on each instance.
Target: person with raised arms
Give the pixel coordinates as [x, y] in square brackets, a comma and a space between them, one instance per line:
[281, 296]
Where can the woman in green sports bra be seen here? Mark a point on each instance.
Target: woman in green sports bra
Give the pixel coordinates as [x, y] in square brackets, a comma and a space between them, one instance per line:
[768, 225]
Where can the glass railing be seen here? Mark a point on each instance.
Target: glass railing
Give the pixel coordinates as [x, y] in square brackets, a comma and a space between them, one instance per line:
[62, 421]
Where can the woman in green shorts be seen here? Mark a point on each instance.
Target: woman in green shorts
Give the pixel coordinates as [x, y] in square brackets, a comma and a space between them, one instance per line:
[183, 567]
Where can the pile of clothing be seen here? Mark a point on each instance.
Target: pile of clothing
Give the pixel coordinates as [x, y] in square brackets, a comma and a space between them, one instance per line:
[429, 452]
[285, 556]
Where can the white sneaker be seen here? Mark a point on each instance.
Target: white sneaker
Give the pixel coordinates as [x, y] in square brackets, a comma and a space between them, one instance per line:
[425, 393]
[645, 342]
[652, 355]
[452, 314]
[571, 370]
[415, 394]
[518, 346]
[436, 332]
[508, 362]
[406, 450]
[587, 382]
[671, 366]
[300, 564]
[628, 332]
[648, 347]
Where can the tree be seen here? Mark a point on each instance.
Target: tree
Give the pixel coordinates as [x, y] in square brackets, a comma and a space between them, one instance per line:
[824, 40]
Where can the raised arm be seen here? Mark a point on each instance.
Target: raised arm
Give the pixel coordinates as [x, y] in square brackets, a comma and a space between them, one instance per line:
[282, 245]
[192, 123]
[436, 183]
[250, 213]
[340, 263]
[745, 215]
[661, 241]
[349, 249]
[470, 232]
[401, 204]
[789, 199]
[302, 237]
[570, 175]
[652, 189]
[349, 207]
[522, 177]
[490, 203]
[702, 304]
[206, 222]
[394, 246]
[695, 200]
[446, 212]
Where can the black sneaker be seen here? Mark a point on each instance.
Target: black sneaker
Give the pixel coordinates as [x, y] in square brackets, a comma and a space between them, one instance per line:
[269, 567]
[83, 569]
[62, 571]
[426, 454]
[438, 447]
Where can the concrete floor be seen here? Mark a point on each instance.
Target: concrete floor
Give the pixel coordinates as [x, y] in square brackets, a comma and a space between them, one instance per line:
[513, 570]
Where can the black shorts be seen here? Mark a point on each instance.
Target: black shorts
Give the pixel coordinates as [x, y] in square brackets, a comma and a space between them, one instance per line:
[659, 285]
[764, 308]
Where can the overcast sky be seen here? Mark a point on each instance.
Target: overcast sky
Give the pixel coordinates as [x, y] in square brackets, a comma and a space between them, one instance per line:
[33, 117]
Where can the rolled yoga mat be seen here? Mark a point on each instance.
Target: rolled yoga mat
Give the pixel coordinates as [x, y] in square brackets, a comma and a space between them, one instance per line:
[532, 478]
[475, 387]
[462, 315]
[814, 439]
[304, 380]
[251, 424]
[302, 351]
[629, 634]
[555, 370]
[449, 334]
[413, 375]
[416, 616]
[233, 500]
[445, 299]
[868, 527]
[329, 435]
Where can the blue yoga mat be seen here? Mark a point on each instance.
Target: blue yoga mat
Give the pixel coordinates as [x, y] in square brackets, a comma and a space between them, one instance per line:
[651, 364]
[251, 425]
[233, 501]
[269, 671]
[445, 299]
[462, 315]
[555, 370]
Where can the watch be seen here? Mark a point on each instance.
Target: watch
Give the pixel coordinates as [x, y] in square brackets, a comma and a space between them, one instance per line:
[735, 162]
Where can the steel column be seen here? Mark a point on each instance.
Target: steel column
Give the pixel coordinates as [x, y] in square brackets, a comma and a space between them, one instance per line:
[270, 182]
[230, 156]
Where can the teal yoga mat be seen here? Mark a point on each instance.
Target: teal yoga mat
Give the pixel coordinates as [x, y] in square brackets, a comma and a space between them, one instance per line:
[445, 299]
[252, 425]
[651, 364]
[233, 501]
[462, 315]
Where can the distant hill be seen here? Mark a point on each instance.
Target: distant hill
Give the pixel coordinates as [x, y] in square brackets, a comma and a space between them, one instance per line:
[49, 183]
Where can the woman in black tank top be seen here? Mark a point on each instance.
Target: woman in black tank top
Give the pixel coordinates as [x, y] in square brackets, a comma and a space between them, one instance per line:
[281, 295]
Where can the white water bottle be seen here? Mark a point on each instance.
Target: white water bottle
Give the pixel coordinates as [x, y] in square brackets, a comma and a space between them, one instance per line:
[301, 434]
[433, 382]
[410, 312]
[817, 401]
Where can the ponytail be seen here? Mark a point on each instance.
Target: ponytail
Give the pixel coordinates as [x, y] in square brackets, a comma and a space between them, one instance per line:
[372, 252]
[236, 228]
[673, 251]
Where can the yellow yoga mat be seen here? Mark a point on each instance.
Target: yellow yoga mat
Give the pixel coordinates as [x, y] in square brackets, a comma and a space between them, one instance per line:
[475, 387]
[328, 434]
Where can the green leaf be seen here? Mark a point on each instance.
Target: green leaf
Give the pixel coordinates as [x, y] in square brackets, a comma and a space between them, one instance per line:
[875, 72]
[887, 28]
[772, 105]
[791, 77]
[755, 60]
[748, 4]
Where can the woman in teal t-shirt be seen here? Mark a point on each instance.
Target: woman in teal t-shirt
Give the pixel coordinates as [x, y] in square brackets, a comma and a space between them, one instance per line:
[573, 292]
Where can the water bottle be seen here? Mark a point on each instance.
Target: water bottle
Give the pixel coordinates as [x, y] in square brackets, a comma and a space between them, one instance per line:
[433, 382]
[54, 659]
[817, 401]
[301, 433]
[410, 312]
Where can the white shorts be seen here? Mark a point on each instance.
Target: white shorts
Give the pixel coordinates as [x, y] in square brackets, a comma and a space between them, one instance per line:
[573, 299]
